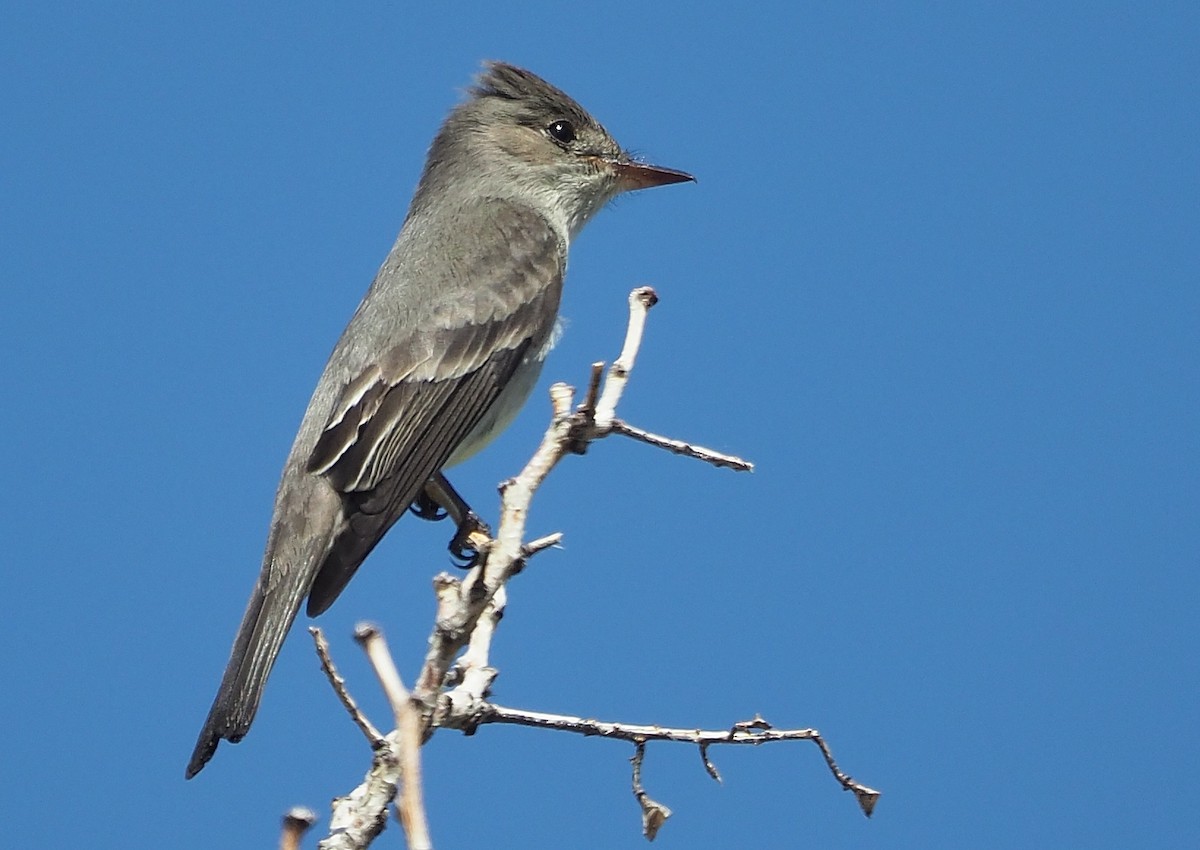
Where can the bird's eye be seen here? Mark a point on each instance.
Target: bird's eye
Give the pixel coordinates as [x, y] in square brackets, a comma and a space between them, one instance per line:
[562, 131]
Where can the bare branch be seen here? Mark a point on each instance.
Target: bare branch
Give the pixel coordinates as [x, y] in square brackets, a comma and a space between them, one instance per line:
[588, 406]
[752, 732]
[358, 818]
[709, 767]
[640, 302]
[374, 736]
[867, 797]
[296, 822]
[462, 603]
[679, 447]
[452, 694]
[472, 672]
[597, 419]
[409, 736]
[534, 546]
[654, 813]
[368, 636]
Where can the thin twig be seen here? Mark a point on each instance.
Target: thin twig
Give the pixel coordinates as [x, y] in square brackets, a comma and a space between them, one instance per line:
[640, 302]
[472, 671]
[753, 732]
[410, 729]
[709, 767]
[534, 546]
[296, 822]
[368, 636]
[679, 447]
[374, 736]
[588, 406]
[654, 813]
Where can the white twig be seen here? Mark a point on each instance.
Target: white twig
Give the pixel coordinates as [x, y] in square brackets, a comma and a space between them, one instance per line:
[654, 813]
[374, 736]
[754, 732]
[472, 671]
[452, 694]
[409, 736]
[640, 302]
[461, 604]
[679, 447]
[296, 822]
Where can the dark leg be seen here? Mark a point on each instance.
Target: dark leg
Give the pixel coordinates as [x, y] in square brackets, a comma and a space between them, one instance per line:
[426, 508]
[472, 531]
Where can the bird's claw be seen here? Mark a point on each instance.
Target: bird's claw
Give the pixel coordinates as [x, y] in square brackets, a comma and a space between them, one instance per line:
[426, 508]
[470, 541]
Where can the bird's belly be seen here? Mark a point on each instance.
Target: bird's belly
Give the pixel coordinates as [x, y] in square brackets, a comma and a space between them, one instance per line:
[501, 414]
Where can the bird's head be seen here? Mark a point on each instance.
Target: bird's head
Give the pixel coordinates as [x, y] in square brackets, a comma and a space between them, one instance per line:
[519, 137]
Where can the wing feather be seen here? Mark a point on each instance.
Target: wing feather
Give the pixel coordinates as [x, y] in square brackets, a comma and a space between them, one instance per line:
[400, 418]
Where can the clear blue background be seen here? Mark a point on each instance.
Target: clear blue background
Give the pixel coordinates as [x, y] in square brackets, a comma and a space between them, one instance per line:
[939, 280]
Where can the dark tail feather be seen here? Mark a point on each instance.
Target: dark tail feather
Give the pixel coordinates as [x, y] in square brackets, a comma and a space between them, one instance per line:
[345, 555]
[260, 637]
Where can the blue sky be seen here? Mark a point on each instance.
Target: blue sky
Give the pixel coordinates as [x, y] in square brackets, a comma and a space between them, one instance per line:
[938, 280]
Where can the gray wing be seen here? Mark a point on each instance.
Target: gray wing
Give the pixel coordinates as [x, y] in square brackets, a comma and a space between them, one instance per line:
[439, 335]
[399, 420]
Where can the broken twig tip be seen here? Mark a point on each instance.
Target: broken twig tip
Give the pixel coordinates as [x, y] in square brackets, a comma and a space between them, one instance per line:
[645, 295]
[867, 798]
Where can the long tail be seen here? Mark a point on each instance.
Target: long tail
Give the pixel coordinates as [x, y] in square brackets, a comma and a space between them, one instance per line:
[307, 516]
[265, 624]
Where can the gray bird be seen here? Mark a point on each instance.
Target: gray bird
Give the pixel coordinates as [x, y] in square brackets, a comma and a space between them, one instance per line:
[439, 357]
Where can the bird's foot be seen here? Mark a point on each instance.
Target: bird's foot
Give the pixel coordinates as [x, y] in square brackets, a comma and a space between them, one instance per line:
[470, 541]
[426, 507]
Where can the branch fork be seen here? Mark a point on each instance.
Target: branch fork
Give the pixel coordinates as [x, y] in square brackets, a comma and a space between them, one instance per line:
[455, 679]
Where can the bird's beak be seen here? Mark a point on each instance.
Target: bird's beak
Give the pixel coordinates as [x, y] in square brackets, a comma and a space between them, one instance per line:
[636, 175]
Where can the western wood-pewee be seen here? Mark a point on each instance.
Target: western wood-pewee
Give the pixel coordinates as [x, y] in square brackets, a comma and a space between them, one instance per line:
[438, 358]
